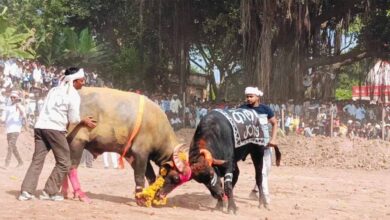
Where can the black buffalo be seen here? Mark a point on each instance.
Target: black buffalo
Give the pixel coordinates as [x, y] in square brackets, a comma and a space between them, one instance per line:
[213, 155]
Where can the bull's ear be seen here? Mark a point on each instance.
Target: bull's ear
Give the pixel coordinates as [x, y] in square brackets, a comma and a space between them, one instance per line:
[217, 162]
[169, 164]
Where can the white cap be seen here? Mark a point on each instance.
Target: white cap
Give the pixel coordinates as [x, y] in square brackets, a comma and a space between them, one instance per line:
[253, 91]
[15, 94]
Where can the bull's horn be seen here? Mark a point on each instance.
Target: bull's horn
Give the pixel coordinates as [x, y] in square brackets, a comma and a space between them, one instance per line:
[218, 162]
[179, 147]
[207, 156]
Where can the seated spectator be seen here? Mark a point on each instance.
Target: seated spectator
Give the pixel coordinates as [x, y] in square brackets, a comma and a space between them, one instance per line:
[176, 123]
[308, 131]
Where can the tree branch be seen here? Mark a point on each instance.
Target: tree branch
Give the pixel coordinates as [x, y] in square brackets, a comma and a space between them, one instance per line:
[196, 63]
[338, 61]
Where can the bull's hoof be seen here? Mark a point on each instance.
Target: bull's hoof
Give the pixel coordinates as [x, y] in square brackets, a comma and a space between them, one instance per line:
[253, 195]
[141, 201]
[82, 197]
[232, 208]
[265, 205]
[220, 206]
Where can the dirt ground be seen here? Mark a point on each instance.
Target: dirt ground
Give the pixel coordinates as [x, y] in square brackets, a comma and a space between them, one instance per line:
[320, 178]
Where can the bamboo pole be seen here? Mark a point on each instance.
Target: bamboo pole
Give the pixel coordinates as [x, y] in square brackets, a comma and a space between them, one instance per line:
[383, 121]
[283, 121]
[331, 120]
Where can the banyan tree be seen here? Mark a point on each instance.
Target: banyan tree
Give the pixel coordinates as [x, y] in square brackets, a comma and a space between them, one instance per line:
[288, 42]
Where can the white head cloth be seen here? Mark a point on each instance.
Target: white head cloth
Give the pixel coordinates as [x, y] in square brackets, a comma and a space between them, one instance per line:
[15, 94]
[72, 77]
[253, 91]
[68, 79]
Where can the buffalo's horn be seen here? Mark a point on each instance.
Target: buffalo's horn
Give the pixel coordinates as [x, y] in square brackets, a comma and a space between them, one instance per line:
[218, 162]
[207, 156]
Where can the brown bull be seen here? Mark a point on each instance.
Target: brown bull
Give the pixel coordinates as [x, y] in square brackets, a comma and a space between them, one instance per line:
[116, 112]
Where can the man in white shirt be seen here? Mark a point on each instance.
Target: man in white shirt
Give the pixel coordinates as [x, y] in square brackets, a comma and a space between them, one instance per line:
[175, 105]
[61, 106]
[37, 75]
[14, 115]
[2, 103]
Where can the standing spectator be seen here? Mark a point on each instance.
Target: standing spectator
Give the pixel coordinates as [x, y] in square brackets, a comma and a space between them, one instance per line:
[350, 108]
[360, 113]
[114, 160]
[276, 110]
[288, 123]
[175, 105]
[7, 84]
[165, 104]
[86, 158]
[14, 116]
[37, 75]
[298, 109]
[55, 80]
[3, 101]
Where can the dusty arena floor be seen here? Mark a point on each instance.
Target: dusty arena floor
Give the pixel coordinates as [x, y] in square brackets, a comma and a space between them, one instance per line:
[320, 178]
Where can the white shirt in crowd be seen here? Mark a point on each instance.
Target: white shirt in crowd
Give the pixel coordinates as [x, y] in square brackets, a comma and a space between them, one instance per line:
[8, 83]
[14, 115]
[175, 105]
[59, 108]
[288, 121]
[7, 67]
[31, 106]
[175, 121]
[37, 75]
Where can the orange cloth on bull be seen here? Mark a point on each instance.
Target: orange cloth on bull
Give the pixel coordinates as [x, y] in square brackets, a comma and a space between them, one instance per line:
[135, 131]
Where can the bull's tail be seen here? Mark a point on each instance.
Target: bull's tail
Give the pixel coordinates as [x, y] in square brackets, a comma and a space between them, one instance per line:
[278, 155]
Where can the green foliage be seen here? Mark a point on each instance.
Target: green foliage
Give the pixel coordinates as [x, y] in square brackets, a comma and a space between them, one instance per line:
[376, 33]
[68, 48]
[127, 68]
[14, 43]
[351, 75]
[343, 94]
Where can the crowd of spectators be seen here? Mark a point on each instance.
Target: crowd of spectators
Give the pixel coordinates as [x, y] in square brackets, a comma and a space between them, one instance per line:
[32, 81]
[350, 118]
[308, 118]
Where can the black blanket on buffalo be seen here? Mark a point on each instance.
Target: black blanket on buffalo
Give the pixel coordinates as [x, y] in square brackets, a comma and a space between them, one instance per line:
[246, 126]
